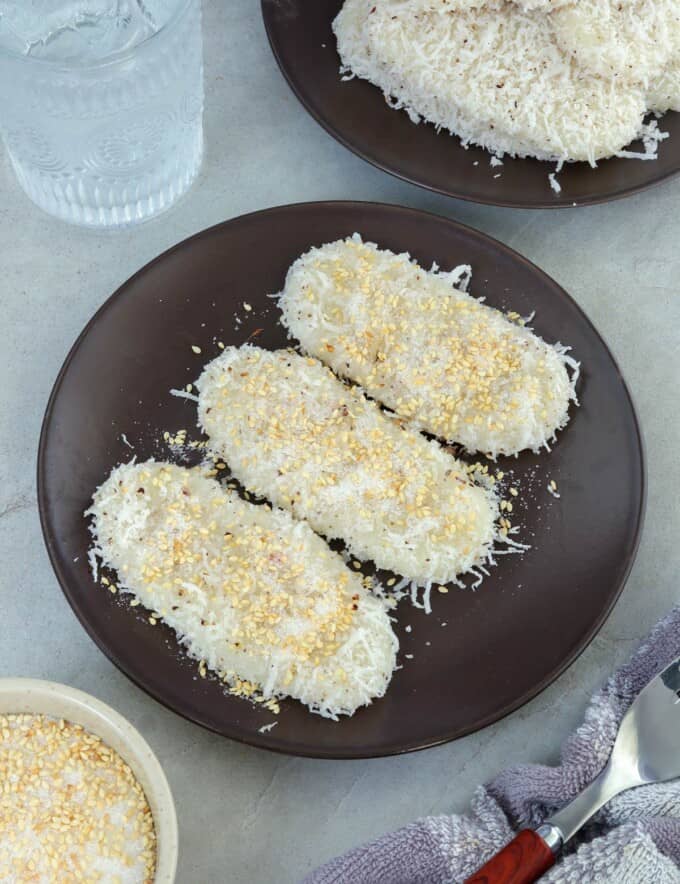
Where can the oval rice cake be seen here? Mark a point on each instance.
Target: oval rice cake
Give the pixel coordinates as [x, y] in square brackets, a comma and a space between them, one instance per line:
[295, 434]
[664, 91]
[631, 41]
[495, 77]
[252, 593]
[430, 352]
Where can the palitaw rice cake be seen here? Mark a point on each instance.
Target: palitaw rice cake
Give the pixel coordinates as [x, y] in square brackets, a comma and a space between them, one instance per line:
[252, 593]
[633, 40]
[495, 76]
[430, 352]
[537, 5]
[292, 432]
[664, 91]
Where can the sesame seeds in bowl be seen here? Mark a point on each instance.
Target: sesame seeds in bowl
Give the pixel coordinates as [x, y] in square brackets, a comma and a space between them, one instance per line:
[84, 797]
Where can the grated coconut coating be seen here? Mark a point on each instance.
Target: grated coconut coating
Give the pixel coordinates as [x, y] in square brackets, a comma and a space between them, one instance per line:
[254, 595]
[295, 434]
[494, 76]
[430, 352]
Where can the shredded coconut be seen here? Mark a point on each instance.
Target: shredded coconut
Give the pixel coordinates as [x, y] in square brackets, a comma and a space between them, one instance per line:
[495, 76]
[255, 596]
[410, 338]
[267, 727]
[651, 137]
[184, 394]
[632, 40]
[293, 433]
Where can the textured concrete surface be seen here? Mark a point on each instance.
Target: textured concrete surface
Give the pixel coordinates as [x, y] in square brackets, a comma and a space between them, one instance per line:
[247, 815]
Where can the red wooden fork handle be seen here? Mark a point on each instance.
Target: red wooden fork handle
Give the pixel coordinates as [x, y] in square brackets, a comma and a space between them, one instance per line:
[522, 861]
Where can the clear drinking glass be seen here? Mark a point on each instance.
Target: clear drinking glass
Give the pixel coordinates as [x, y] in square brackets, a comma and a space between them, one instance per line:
[101, 104]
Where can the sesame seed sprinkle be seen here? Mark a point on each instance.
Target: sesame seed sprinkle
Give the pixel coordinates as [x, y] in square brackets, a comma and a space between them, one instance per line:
[427, 350]
[247, 588]
[292, 433]
[71, 807]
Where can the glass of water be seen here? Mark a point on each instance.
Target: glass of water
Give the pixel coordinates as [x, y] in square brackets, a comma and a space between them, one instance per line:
[101, 104]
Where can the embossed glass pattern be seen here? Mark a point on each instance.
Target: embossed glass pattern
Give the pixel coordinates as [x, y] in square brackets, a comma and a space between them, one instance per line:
[102, 104]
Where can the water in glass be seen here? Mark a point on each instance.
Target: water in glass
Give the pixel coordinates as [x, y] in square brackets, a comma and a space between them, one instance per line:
[101, 104]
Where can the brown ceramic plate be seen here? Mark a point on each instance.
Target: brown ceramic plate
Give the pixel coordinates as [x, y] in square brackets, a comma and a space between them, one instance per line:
[356, 114]
[502, 643]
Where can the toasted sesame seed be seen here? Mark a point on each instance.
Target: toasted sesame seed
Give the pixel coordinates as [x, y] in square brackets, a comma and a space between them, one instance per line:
[56, 816]
[373, 297]
[253, 577]
[306, 460]
[195, 349]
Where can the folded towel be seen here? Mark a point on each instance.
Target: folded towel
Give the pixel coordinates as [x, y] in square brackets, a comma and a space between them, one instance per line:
[635, 839]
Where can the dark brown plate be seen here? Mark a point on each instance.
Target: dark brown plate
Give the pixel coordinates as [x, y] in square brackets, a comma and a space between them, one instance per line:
[356, 114]
[502, 643]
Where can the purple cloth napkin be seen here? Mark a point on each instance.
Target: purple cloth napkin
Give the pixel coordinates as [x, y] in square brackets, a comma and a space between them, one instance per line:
[635, 839]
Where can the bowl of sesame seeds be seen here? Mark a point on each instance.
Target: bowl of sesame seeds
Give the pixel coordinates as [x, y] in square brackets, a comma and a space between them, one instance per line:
[84, 798]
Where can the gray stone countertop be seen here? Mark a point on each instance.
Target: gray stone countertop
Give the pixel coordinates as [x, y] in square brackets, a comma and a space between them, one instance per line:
[247, 815]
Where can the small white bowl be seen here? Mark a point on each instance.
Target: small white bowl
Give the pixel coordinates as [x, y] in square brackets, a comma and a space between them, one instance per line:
[29, 695]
